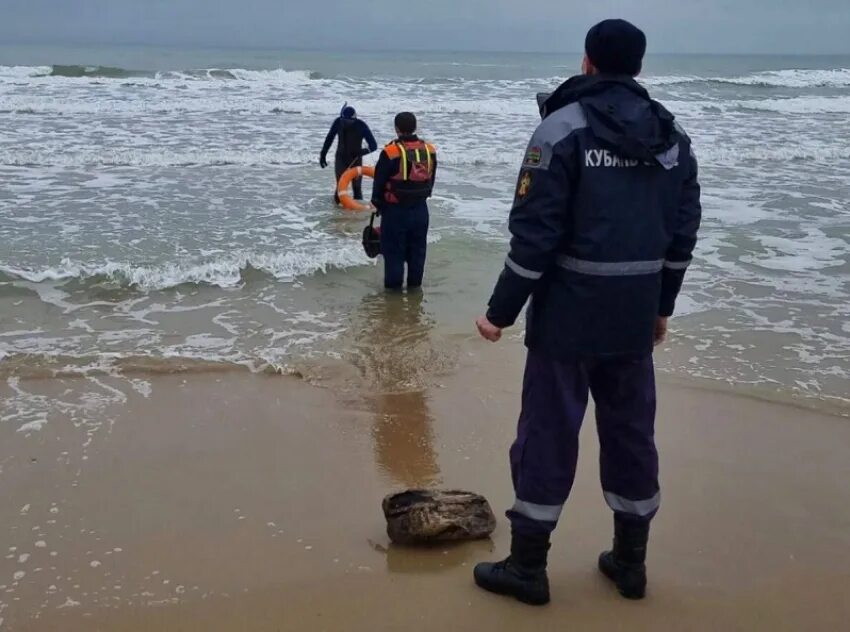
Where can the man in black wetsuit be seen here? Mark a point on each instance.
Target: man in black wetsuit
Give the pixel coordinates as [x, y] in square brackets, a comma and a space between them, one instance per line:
[350, 133]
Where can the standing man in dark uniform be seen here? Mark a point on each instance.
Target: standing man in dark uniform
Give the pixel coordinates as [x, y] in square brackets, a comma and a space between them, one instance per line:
[350, 133]
[404, 179]
[603, 225]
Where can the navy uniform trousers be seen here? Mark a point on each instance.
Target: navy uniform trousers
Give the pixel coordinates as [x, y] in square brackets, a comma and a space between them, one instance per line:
[404, 240]
[544, 455]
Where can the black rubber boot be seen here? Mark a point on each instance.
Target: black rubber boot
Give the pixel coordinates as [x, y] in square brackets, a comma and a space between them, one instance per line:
[625, 565]
[522, 575]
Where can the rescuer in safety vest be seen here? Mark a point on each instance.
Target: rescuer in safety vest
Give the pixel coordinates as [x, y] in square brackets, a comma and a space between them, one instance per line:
[404, 179]
[350, 133]
[603, 226]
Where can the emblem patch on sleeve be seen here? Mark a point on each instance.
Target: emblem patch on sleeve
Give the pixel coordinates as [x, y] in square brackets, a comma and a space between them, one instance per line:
[524, 185]
[533, 157]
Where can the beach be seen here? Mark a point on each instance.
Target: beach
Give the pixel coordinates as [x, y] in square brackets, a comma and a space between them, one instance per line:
[205, 393]
[233, 501]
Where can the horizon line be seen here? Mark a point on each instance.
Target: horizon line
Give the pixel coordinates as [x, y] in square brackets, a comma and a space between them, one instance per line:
[343, 50]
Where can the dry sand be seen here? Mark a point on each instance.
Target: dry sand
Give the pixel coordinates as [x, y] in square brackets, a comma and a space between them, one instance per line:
[230, 501]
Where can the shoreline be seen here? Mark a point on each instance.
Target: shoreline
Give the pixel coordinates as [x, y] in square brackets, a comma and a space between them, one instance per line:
[330, 373]
[238, 501]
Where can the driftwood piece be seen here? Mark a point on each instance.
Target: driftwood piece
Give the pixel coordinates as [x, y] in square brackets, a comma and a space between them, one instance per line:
[419, 516]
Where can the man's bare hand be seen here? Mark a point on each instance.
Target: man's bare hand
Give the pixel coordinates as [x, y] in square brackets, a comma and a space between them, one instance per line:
[488, 330]
[660, 330]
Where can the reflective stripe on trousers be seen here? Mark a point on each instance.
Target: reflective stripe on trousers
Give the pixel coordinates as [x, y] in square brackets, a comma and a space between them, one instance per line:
[542, 513]
[640, 508]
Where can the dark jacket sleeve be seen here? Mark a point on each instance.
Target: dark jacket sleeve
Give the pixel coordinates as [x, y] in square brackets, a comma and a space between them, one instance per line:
[680, 251]
[329, 139]
[434, 174]
[383, 172]
[537, 224]
[369, 137]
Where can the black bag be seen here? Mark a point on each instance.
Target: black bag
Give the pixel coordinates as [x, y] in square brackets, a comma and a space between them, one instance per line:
[372, 239]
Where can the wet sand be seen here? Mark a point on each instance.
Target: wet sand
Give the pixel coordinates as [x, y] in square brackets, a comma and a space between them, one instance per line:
[231, 501]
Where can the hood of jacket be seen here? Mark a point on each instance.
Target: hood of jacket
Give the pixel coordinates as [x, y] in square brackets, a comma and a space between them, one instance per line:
[621, 115]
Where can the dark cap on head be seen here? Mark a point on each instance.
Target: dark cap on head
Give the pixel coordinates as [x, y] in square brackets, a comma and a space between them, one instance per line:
[616, 47]
[405, 122]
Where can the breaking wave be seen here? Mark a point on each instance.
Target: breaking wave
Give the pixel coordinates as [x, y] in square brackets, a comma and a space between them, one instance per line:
[260, 157]
[248, 157]
[787, 78]
[74, 71]
[48, 365]
[797, 105]
[791, 78]
[106, 72]
[228, 271]
[803, 105]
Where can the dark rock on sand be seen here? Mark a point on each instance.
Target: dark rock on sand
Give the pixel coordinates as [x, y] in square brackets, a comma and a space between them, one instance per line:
[419, 516]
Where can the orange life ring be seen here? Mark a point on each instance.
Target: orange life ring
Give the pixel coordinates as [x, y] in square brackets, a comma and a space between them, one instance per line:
[346, 201]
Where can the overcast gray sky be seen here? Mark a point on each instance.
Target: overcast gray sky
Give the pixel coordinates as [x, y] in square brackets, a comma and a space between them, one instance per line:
[724, 26]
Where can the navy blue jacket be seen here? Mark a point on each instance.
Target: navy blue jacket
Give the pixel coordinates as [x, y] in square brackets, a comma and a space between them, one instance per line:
[604, 222]
[351, 133]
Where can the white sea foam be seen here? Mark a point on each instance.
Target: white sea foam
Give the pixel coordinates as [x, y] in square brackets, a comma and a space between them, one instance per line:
[797, 105]
[709, 154]
[160, 157]
[789, 78]
[804, 105]
[225, 271]
[786, 78]
[22, 72]
[205, 102]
